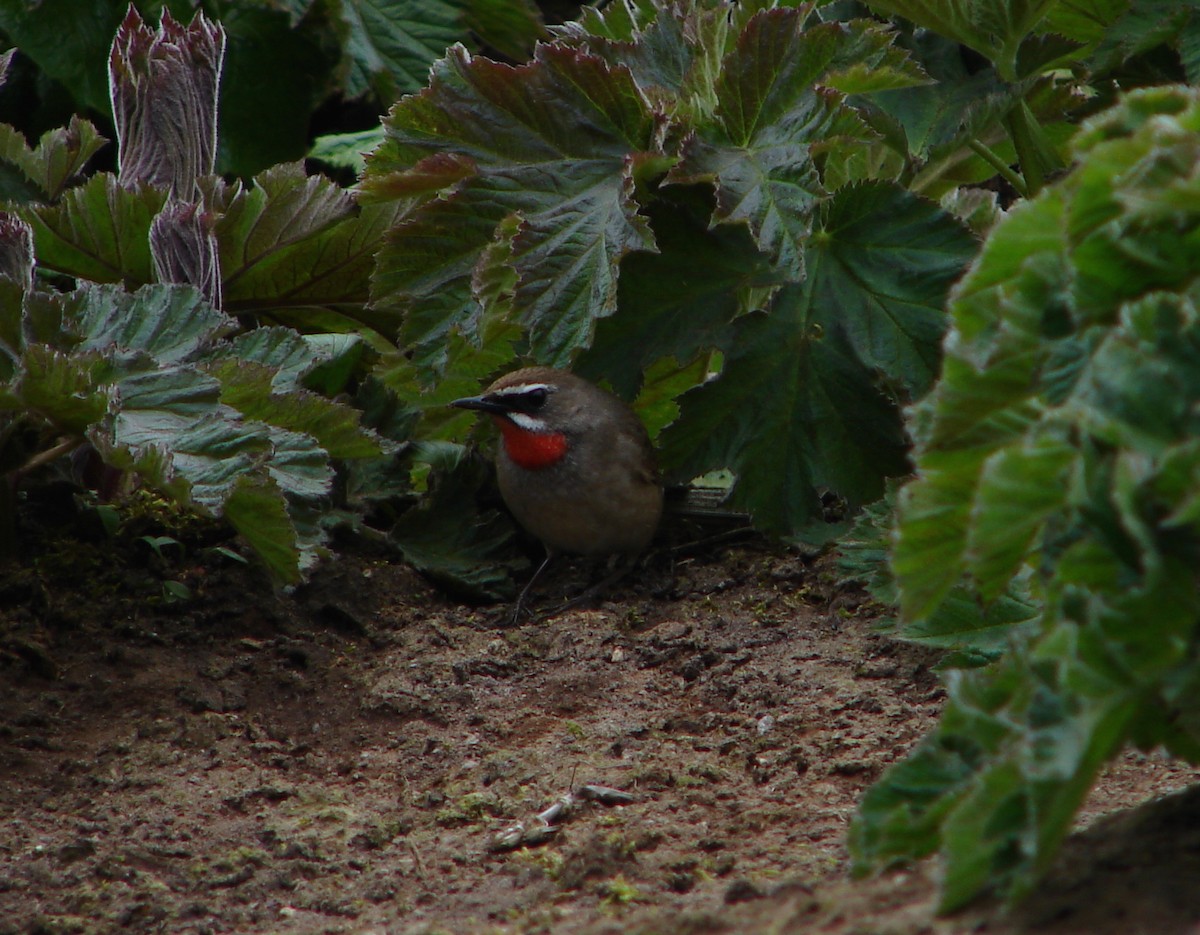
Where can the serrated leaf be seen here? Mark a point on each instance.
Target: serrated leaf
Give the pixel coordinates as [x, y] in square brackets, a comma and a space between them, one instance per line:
[291, 243]
[868, 61]
[172, 323]
[993, 28]
[675, 58]
[59, 157]
[248, 388]
[298, 463]
[933, 124]
[512, 27]
[1084, 21]
[62, 388]
[448, 539]
[1065, 419]
[827, 424]
[974, 631]
[680, 301]
[474, 352]
[566, 260]
[286, 353]
[887, 260]
[816, 354]
[621, 20]
[428, 264]
[99, 231]
[771, 112]
[571, 189]
[664, 383]
[341, 358]
[392, 43]
[346, 150]
[1143, 25]
[258, 510]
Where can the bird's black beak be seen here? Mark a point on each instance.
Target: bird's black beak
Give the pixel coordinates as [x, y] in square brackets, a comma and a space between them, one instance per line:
[481, 403]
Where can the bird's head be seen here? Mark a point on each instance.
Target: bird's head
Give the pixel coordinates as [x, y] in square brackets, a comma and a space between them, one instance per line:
[533, 409]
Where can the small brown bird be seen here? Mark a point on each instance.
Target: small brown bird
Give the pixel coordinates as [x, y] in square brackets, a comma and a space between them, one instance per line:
[575, 466]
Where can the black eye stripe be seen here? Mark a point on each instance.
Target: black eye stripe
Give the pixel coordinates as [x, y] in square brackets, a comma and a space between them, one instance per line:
[523, 399]
[531, 400]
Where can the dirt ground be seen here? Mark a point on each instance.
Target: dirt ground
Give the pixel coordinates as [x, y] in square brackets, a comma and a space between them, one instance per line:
[340, 759]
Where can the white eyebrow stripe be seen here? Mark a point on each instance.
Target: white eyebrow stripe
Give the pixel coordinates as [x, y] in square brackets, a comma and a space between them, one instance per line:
[528, 423]
[521, 388]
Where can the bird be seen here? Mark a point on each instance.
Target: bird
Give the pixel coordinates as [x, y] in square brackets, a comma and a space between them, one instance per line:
[575, 467]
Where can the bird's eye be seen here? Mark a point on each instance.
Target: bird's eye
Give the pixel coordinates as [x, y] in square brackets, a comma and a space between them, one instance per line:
[535, 398]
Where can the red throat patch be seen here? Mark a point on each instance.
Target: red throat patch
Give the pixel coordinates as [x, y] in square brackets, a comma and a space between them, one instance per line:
[531, 450]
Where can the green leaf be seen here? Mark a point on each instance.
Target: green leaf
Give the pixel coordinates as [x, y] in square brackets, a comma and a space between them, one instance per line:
[511, 27]
[771, 112]
[59, 158]
[427, 265]
[993, 28]
[68, 40]
[447, 539]
[1058, 448]
[63, 389]
[133, 373]
[664, 383]
[392, 43]
[1084, 21]
[346, 150]
[882, 263]
[572, 191]
[827, 422]
[289, 356]
[1145, 25]
[962, 622]
[172, 323]
[834, 356]
[474, 352]
[99, 231]
[277, 69]
[680, 301]
[293, 245]
[247, 388]
[258, 510]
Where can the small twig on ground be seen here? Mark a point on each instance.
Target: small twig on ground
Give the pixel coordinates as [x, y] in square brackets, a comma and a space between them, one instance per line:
[545, 823]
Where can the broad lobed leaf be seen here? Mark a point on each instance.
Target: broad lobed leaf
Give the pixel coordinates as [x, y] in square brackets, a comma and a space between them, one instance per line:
[1059, 445]
[148, 379]
[58, 159]
[98, 231]
[550, 142]
[834, 356]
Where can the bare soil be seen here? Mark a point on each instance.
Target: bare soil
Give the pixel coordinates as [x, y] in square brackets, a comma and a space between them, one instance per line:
[339, 759]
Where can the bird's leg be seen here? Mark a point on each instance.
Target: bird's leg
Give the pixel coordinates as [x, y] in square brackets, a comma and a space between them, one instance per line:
[519, 606]
[623, 566]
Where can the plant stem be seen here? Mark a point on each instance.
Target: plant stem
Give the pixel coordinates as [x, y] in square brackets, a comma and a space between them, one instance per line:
[1034, 152]
[8, 517]
[50, 454]
[1005, 170]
